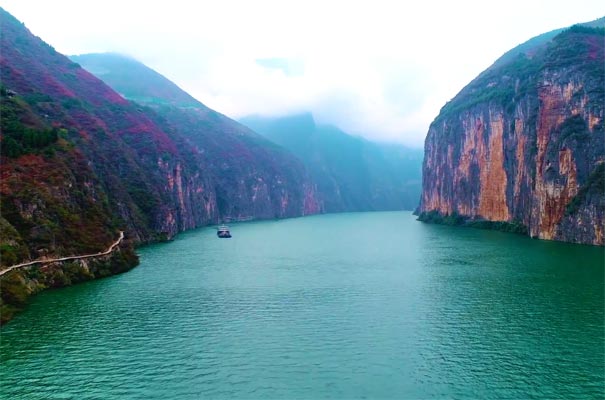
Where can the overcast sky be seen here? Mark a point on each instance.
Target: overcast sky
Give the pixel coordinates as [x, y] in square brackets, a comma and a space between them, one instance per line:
[374, 68]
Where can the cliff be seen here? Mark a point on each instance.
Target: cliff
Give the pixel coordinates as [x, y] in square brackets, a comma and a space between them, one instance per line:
[523, 145]
[351, 173]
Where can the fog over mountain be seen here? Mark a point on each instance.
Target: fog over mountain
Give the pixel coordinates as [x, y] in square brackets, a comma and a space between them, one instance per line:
[378, 69]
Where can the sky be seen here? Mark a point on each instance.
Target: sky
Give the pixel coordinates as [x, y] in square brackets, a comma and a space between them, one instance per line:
[378, 69]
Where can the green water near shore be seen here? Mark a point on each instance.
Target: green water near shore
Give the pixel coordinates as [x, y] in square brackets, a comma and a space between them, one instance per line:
[362, 305]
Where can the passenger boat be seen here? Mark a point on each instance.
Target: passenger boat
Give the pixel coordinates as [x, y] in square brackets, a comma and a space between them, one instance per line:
[223, 232]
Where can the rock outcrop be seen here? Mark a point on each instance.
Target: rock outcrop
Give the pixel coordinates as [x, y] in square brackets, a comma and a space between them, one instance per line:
[524, 144]
[19, 284]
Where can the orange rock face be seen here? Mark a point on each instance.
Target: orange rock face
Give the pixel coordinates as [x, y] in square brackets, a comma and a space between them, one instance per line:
[492, 195]
[488, 159]
[548, 194]
[520, 175]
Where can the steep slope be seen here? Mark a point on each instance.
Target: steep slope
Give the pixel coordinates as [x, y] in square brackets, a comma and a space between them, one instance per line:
[352, 174]
[147, 181]
[523, 145]
[252, 177]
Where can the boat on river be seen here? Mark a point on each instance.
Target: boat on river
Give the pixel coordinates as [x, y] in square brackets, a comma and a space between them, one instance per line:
[223, 231]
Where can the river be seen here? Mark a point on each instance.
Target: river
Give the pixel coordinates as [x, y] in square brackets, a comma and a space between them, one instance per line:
[359, 305]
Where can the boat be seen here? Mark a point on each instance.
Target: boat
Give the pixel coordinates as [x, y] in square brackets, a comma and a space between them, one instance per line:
[223, 232]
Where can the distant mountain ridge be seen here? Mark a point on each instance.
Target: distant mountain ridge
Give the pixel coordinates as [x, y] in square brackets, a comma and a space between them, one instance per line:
[352, 173]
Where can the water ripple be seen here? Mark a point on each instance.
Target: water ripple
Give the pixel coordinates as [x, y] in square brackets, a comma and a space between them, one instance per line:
[322, 307]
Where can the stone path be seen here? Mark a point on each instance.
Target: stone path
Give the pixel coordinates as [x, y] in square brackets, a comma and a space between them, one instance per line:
[51, 260]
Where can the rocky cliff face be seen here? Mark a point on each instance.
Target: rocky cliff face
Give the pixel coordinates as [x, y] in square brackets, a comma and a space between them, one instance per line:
[524, 142]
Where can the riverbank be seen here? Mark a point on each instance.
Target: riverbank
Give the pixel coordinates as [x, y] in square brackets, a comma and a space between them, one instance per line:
[19, 282]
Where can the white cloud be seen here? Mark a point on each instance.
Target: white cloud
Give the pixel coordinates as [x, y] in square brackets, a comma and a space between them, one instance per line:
[381, 69]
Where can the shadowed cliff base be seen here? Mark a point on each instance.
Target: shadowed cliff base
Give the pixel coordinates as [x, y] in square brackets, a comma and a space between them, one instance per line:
[455, 219]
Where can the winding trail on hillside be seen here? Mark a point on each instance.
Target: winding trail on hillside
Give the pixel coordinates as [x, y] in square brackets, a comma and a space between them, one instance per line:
[51, 260]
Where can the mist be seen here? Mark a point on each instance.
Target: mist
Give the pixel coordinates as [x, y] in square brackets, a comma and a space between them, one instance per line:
[380, 70]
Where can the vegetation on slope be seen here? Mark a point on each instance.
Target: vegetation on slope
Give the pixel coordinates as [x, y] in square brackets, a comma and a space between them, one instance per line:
[40, 215]
[516, 73]
[250, 175]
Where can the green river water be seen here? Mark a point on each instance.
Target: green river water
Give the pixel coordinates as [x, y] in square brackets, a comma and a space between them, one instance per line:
[360, 305]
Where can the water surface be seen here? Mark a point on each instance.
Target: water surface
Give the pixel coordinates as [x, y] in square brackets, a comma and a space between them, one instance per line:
[364, 305]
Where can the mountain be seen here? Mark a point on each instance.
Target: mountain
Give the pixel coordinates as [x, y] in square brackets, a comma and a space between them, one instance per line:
[252, 176]
[134, 80]
[522, 147]
[80, 163]
[352, 174]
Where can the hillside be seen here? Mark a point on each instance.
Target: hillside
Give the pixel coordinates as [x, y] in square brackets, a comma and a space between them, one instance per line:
[522, 147]
[352, 174]
[252, 177]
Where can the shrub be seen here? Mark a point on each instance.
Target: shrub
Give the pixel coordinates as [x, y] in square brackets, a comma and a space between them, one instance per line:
[595, 185]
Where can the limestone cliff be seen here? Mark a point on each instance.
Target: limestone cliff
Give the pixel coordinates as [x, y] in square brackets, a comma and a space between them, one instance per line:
[524, 142]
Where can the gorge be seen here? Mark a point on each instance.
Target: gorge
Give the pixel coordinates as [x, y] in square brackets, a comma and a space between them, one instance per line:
[352, 269]
[82, 161]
